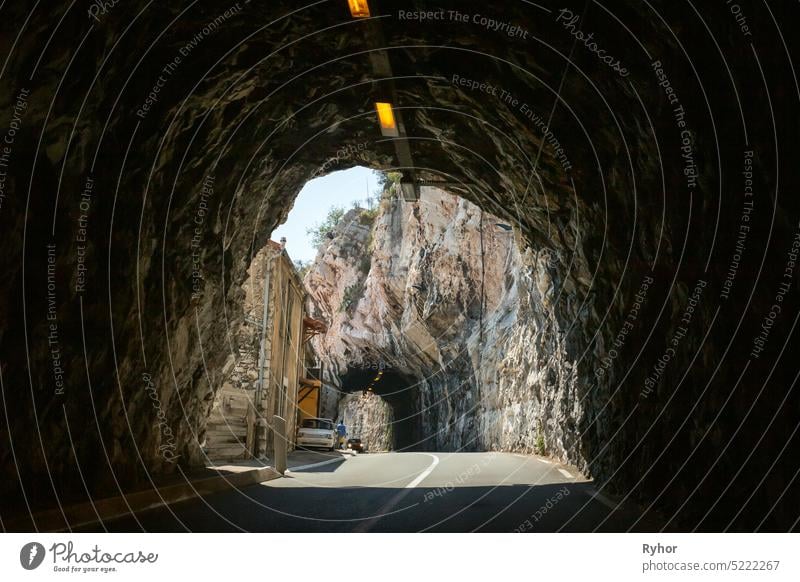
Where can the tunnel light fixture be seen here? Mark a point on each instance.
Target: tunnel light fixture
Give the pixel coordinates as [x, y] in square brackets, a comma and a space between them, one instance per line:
[387, 119]
[359, 8]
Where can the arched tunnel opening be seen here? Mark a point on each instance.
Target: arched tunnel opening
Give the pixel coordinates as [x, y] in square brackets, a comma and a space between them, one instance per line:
[400, 392]
[412, 293]
[620, 327]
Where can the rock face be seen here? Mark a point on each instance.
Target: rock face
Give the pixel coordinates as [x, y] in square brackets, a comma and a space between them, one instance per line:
[442, 292]
[154, 148]
[369, 418]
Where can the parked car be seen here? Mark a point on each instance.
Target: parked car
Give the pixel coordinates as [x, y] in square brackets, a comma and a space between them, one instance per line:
[316, 432]
[355, 445]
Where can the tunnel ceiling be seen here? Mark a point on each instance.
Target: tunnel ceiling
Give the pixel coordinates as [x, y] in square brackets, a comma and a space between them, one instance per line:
[159, 144]
[389, 383]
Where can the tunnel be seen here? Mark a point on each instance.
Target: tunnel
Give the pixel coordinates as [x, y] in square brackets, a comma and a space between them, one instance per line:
[401, 392]
[154, 147]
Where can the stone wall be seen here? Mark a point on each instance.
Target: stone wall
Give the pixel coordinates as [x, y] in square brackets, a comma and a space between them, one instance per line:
[449, 298]
[369, 418]
[129, 224]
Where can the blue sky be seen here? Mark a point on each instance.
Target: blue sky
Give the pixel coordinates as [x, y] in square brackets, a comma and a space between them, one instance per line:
[314, 201]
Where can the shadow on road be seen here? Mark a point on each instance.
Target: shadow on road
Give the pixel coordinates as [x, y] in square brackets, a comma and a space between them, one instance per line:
[329, 467]
[568, 507]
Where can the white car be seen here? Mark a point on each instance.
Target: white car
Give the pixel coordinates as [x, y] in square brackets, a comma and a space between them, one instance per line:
[316, 432]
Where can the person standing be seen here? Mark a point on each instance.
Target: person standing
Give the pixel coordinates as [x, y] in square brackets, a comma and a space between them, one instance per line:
[341, 431]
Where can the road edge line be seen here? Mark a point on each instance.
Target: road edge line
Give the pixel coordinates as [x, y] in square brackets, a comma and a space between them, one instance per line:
[419, 478]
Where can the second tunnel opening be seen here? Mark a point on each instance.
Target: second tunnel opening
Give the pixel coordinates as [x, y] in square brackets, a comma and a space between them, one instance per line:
[381, 407]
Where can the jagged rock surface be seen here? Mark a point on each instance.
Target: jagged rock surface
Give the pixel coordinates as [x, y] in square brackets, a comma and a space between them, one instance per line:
[440, 292]
[369, 418]
[272, 97]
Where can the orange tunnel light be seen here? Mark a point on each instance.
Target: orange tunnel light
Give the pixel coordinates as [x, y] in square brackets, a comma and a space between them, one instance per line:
[359, 8]
[386, 119]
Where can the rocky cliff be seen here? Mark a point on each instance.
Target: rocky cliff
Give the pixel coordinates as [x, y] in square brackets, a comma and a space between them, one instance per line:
[444, 294]
[369, 418]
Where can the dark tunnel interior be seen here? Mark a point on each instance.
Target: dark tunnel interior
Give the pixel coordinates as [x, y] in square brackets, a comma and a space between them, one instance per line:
[401, 393]
[657, 299]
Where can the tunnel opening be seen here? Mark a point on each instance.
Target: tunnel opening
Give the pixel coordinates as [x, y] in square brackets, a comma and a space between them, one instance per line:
[399, 391]
[419, 311]
[430, 288]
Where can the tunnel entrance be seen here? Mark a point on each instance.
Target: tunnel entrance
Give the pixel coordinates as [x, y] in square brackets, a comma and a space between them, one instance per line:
[583, 321]
[415, 295]
[400, 392]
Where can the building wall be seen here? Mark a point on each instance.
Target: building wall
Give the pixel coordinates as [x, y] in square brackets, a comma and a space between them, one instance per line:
[226, 428]
[234, 422]
[307, 408]
[286, 351]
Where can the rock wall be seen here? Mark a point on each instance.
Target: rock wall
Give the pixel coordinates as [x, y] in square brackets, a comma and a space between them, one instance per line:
[225, 435]
[369, 418]
[446, 294]
[129, 224]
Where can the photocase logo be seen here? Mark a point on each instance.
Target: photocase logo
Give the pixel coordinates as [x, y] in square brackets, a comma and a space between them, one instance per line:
[31, 555]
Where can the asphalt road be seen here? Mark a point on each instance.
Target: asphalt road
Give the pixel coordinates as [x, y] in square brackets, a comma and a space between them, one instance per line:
[407, 492]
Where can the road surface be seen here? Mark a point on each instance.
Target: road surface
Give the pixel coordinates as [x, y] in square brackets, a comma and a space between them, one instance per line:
[406, 492]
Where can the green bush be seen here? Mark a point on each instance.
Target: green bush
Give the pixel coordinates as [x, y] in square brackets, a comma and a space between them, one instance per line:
[319, 232]
[539, 447]
[365, 263]
[387, 179]
[367, 217]
[351, 296]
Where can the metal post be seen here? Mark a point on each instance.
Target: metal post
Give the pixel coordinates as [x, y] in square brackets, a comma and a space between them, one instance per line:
[284, 347]
[262, 357]
[279, 442]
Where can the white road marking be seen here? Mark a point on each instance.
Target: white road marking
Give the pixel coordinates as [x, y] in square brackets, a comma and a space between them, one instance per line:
[565, 473]
[534, 457]
[425, 473]
[394, 501]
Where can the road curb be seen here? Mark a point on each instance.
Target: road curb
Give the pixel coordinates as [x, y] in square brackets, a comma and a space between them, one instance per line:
[89, 513]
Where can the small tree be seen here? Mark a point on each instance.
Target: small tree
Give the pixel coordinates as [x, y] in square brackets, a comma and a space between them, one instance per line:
[320, 231]
[387, 179]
